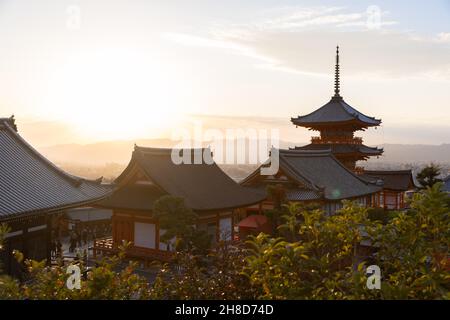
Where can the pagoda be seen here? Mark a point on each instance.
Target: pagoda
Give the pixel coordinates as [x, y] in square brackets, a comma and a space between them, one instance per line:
[337, 123]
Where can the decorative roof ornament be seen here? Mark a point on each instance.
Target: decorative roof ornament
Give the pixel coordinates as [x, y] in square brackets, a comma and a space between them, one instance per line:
[336, 76]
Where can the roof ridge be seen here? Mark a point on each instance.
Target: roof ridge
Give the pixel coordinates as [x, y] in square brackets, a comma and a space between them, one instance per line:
[357, 111]
[299, 152]
[15, 134]
[389, 171]
[349, 171]
[9, 121]
[291, 168]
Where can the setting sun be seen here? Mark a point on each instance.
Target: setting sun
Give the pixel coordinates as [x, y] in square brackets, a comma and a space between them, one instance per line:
[101, 93]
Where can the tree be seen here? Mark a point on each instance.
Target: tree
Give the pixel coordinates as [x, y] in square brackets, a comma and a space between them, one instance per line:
[179, 223]
[107, 280]
[277, 194]
[414, 249]
[427, 177]
[217, 275]
[317, 257]
[326, 262]
[319, 265]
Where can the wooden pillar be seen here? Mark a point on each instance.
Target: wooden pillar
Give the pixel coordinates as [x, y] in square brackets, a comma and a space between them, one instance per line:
[24, 226]
[157, 235]
[233, 213]
[217, 227]
[49, 240]
[402, 200]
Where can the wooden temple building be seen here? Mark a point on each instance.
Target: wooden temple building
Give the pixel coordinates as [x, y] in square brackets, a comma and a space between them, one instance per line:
[32, 191]
[218, 200]
[395, 184]
[326, 170]
[315, 176]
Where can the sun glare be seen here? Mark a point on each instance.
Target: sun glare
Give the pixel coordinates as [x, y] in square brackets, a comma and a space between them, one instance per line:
[114, 94]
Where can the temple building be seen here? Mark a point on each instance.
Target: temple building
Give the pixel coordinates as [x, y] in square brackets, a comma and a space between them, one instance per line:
[395, 184]
[32, 192]
[218, 200]
[314, 176]
[337, 123]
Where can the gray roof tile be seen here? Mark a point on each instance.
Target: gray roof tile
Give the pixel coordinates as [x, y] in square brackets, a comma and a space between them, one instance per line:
[29, 183]
[203, 186]
[335, 111]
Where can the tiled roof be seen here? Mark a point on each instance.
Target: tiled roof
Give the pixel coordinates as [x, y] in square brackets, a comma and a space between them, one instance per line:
[31, 184]
[335, 111]
[133, 197]
[400, 180]
[319, 175]
[343, 148]
[203, 186]
[89, 214]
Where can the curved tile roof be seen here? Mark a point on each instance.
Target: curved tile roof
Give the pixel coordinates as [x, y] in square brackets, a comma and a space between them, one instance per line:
[326, 173]
[334, 112]
[343, 148]
[399, 180]
[203, 186]
[319, 173]
[31, 184]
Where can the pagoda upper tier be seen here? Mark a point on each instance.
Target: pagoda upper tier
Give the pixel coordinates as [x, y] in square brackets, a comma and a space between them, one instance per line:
[337, 113]
[337, 122]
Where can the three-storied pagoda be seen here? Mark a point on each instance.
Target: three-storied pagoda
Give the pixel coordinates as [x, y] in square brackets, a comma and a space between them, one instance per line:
[325, 170]
[337, 123]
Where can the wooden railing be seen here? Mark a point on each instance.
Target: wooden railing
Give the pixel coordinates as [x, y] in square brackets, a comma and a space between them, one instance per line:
[106, 246]
[320, 140]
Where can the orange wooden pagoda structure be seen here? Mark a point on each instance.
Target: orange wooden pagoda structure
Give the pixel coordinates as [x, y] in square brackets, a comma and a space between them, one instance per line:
[337, 123]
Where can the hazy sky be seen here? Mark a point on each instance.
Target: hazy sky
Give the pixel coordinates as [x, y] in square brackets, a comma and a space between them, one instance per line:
[85, 70]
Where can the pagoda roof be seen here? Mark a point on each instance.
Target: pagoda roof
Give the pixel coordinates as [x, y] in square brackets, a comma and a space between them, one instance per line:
[30, 184]
[398, 180]
[343, 148]
[319, 175]
[203, 186]
[335, 112]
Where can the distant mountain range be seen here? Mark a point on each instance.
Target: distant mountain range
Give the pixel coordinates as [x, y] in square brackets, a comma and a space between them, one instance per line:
[108, 159]
[120, 152]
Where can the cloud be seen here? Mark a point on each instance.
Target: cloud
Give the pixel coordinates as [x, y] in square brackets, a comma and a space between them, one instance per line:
[443, 37]
[303, 40]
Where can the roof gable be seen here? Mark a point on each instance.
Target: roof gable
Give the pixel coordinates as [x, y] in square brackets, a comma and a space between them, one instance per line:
[399, 180]
[320, 172]
[203, 186]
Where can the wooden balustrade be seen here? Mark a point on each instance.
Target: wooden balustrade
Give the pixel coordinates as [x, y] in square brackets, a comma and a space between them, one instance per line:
[336, 140]
[106, 246]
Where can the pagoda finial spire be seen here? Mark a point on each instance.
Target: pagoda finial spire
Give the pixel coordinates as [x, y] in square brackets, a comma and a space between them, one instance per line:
[336, 75]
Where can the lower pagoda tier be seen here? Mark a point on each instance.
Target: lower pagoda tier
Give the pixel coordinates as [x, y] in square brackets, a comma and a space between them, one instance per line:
[347, 154]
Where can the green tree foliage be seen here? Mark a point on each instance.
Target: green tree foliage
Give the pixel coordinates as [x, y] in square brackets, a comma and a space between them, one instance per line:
[317, 266]
[316, 257]
[428, 176]
[414, 249]
[108, 280]
[179, 222]
[217, 275]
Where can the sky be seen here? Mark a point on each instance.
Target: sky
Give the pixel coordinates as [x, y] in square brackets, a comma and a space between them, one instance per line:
[82, 71]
